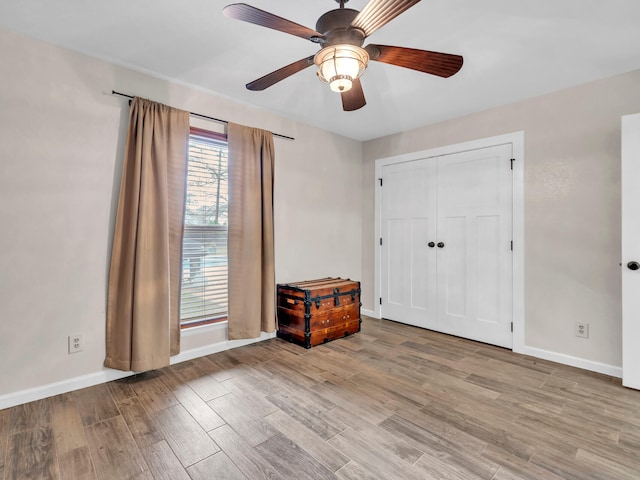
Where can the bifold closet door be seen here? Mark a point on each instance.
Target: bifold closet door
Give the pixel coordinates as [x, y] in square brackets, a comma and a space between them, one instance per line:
[408, 269]
[475, 263]
[446, 259]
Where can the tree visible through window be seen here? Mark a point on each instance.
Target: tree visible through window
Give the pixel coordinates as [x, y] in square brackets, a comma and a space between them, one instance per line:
[204, 255]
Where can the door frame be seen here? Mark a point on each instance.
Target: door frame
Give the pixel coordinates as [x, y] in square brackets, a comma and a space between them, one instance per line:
[516, 139]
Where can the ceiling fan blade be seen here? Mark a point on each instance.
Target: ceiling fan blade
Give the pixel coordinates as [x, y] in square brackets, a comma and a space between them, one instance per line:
[247, 13]
[353, 99]
[377, 13]
[280, 74]
[435, 63]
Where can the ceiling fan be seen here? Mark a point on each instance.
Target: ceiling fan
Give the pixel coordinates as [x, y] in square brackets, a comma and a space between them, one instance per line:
[342, 59]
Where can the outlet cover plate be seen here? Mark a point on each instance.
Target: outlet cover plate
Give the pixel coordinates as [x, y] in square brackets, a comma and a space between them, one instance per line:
[75, 343]
[582, 330]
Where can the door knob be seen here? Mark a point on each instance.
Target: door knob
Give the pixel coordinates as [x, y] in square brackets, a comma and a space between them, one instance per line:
[440, 245]
[633, 265]
[431, 244]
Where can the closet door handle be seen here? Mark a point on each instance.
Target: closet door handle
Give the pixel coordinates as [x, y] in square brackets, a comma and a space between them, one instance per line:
[440, 245]
[431, 244]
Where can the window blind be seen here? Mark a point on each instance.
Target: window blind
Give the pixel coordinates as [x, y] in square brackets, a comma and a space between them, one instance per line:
[204, 257]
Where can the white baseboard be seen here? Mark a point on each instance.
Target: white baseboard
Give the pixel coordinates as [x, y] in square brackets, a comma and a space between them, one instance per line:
[578, 362]
[64, 386]
[218, 347]
[562, 358]
[107, 374]
[369, 313]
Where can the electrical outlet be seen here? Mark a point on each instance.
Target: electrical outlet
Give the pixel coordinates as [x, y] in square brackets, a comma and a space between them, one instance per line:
[582, 330]
[75, 343]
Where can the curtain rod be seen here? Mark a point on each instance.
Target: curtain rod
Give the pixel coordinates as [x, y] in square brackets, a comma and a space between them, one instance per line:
[199, 115]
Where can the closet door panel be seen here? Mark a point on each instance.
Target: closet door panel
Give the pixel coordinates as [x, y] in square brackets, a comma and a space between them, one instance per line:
[474, 266]
[460, 285]
[396, 263]
[408, 276]
[488, 268]
[453, 265]
[419, 264]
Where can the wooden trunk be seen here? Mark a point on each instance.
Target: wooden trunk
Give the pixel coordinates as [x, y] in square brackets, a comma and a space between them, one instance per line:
[317, 311]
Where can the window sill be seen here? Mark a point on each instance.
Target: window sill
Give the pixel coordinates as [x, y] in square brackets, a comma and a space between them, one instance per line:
[201, 329]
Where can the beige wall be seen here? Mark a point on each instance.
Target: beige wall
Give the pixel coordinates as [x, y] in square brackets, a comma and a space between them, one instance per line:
[572, 207]
[61, 140]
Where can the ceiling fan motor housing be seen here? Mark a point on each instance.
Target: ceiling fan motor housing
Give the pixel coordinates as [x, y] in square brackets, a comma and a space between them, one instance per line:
[334, 25]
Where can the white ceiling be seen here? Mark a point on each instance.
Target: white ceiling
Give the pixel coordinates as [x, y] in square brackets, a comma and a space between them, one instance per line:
[512, 49]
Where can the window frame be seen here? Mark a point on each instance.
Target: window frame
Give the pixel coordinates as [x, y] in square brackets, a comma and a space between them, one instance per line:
[218, 137]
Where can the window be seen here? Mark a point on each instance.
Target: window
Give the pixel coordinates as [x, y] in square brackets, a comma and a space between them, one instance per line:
[204, 253]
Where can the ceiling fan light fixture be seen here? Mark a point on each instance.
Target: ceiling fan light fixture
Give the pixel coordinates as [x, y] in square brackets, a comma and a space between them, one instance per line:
[342, 60]
[340, 65]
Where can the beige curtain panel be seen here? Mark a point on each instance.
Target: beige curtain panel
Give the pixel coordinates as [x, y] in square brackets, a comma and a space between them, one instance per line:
[251, 257]
[143, 309]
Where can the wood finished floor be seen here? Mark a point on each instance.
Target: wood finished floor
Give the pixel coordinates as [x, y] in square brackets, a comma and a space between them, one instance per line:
[392, 402]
